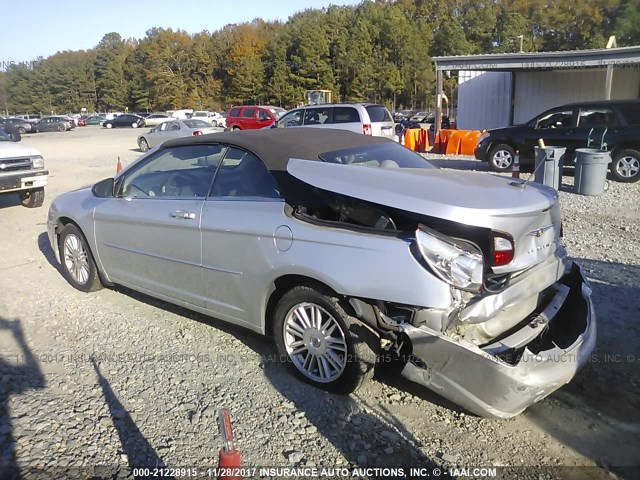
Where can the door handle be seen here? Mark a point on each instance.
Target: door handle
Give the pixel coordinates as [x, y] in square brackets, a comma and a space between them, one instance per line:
[181, 214]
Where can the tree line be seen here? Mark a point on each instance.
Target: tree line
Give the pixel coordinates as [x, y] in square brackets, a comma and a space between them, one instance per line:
[377, 51]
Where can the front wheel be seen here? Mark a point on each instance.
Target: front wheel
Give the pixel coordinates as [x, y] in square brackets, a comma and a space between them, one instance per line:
[323, 344]
[134, 125]
[625, 166]
[143, 144]
[108, 125]
[61, 128]
[501, 158]
[33, 198]
[78, 266]
[22, 130]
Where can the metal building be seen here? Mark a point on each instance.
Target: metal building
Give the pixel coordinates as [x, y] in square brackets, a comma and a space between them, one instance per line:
[498, 90]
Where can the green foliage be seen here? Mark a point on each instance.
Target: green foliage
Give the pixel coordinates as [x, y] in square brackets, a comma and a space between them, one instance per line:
[377, 51]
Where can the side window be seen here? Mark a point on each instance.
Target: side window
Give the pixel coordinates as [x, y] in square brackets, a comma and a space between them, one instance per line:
[262, 115]
[631, 114]
[161, 127]
[173, 126]
[248, 113]
[291, 119]
[242, 174]
[235, 112]
[179, 172]
[596, 117]
[345, 115]
[556, 119]
[317, 116]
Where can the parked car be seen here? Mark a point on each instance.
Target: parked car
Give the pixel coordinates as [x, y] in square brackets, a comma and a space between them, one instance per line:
[156, 119]
[400, 115]
[125, 120]
[346, 248]
[17, 124]
[54, 124]
[364, 118]
[250, 117]
[420, 118]
[29, 118]
[183, 114]
[572, 126]
[95, 120]
[174, 129]
[221, 120]
[10, 134]
[22, 171]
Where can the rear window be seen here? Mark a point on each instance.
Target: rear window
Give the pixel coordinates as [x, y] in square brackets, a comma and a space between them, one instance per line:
[387, 155]
[249, 113]
[345, 115]
[631, 114]
[378, 113]
[196, 124]
[235, 112]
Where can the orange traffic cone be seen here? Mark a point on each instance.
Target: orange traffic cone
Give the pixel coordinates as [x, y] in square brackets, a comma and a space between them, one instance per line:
[119, 166]
[515, 171]
[228, 457]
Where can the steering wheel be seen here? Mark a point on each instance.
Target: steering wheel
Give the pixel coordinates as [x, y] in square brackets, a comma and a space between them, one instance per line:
[172, 183]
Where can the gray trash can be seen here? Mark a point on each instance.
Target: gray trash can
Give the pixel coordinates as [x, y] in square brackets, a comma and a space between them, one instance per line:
[591, 171]
[549, 163]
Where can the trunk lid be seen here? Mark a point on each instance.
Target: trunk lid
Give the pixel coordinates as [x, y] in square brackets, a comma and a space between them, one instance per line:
[530, 214]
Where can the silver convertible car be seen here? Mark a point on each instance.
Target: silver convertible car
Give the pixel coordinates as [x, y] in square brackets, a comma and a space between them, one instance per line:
[351, 251]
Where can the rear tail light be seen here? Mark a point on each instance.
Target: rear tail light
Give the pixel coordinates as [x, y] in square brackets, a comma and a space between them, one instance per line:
[196, 133]
[366, 129]
[503, 249]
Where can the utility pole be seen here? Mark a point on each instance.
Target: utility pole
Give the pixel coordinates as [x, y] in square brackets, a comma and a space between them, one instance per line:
[521, 37]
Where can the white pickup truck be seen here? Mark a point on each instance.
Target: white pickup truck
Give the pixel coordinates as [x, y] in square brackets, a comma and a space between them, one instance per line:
[22, 170]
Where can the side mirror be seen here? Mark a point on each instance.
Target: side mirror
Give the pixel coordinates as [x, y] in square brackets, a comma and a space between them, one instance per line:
[104, 188]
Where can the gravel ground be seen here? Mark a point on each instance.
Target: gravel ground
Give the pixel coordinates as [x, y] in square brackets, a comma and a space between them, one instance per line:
[115, 379]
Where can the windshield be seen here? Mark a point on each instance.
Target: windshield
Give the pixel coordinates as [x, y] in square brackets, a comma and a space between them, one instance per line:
[278, 112]
[387, 155]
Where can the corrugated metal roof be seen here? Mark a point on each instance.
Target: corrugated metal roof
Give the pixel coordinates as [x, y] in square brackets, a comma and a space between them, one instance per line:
[600, 57]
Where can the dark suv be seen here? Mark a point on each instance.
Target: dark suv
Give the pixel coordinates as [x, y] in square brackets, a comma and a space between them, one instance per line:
[612, 124]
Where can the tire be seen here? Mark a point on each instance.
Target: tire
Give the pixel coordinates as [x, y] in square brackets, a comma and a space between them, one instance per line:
[78, 266]
[625, 166]
[22, 130]
[347, 361]
[108, 125]
[501, 158]
[33, 198]
[143, 144]
[134, 125]
[235, 128]
[61, 128]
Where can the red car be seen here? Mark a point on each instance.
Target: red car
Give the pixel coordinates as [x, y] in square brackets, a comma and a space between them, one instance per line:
[252, 117]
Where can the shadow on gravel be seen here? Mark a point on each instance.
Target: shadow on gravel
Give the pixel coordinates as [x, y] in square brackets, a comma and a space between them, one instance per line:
[10, 200]
[19, 372]
[350, 423]
[45, 248]
[598, 413]
[135, 446]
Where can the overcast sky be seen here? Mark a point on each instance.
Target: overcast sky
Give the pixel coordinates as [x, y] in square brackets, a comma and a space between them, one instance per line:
[34, 28]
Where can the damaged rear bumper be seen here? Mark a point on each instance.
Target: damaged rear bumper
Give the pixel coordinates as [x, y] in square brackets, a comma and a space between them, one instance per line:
[501, 386]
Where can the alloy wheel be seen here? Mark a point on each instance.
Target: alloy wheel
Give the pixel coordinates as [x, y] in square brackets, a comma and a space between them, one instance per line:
[502, 159]
[75, 259]
[315, 342]
[628, 166]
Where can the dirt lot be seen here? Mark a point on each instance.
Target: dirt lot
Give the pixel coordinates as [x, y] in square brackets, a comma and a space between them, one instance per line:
[160, 372]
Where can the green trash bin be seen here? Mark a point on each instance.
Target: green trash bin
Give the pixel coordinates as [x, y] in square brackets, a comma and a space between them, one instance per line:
[549, 163]
[591, 171]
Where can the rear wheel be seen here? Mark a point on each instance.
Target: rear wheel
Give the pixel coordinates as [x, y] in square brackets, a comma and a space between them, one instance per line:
[61, 128]
[33, 198]
[134, 125]
[108, 125]
[235, 128]
[22, 130]
[78, 266]
[625, 166]
[323, 344]
[501, 158]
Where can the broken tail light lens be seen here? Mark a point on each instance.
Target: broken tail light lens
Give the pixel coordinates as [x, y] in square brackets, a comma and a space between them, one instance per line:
[503, 249]
[457, 262]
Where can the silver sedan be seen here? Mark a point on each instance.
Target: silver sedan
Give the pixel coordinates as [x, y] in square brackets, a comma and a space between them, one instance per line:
[173, 129]
[351, 251]
[156, 119]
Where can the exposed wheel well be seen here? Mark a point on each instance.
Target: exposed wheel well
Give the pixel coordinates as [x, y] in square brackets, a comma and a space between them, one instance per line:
[282, 286]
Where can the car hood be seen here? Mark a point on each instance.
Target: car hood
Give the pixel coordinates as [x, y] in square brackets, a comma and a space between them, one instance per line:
[470, 198]
[12, 149]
